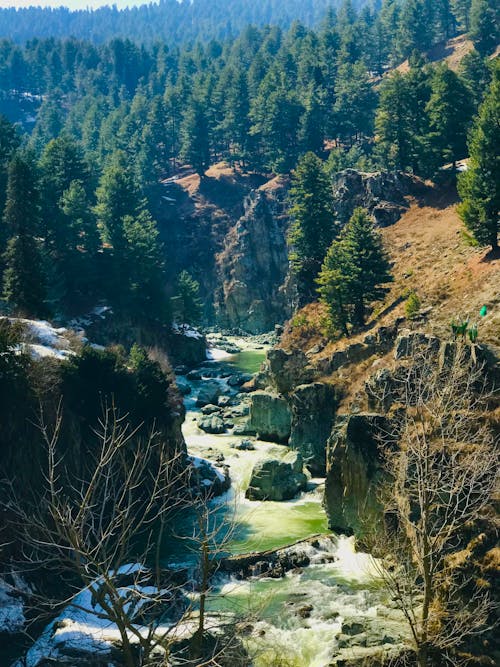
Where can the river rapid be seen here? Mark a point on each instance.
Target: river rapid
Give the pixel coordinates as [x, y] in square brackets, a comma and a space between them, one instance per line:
[311, 616]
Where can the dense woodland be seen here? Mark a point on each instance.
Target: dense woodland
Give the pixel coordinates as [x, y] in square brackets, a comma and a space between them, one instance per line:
[96, 127]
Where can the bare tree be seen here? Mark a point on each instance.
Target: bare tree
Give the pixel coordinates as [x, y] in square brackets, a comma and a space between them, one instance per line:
[85, 527]
[442, 465]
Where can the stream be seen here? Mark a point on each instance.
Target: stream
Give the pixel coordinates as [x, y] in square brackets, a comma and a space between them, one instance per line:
[312, 614]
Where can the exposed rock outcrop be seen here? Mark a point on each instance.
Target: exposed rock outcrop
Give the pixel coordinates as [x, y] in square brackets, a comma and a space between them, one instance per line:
[270, 417]
[383, 194]
[277, 479]
[354, 471]
[313, 413]
[276, 562]
[254, 264]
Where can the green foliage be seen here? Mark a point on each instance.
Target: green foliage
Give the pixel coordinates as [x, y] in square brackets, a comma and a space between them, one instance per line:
[450, 111]
[187, 303]
[23, 278]
[412, 305]
[354, 271]
[479, 186]
[195, 137]
[485, 25]
[313, 226]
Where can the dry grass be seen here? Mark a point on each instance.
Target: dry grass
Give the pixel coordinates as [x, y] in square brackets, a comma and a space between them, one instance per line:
[432, 256]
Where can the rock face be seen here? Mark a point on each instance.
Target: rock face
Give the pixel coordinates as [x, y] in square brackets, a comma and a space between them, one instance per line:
[270, 417]
[354, 471]
[381, 193]
[313, 413]
[253, 266]
[277, 479]
[289, 369]
[236, 226]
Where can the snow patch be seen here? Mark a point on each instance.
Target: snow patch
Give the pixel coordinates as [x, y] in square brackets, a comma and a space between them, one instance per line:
[11, 608]
[186, 330]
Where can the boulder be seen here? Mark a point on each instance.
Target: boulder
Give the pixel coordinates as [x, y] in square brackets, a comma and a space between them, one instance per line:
[313, 412]
[244, 445]
[212, 424]
[209, 393]
[210, 409]
[270, 417]
[245, 428]
[277, 479]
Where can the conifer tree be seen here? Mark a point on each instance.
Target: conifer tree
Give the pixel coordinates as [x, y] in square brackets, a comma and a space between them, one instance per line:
[313, 226]
[23, 278]
[195, 138]
[188, 302]
[479, 186]
[485, 25]
[354, 271]
[144, 285]
[449, 110]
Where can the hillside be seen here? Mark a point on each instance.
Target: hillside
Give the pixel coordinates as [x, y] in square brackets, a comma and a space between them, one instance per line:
[433, 256]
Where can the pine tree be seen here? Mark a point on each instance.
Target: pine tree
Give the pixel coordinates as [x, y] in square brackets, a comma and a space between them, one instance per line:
[23, 278]
[188, 304]
[485, 25]
[449, 110]
[144, 287]
[195, 138]
[354, 271]
[62, 163]
[479, 186]
[313, 226]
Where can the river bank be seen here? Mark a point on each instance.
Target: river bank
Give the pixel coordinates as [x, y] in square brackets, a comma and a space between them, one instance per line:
[313, 616]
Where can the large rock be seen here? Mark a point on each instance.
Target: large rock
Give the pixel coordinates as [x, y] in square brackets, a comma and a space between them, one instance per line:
[277, 479]
[209, 393]
[270, 417]
[313, 413]
[212, 424]
[383, 194]
[354, 472]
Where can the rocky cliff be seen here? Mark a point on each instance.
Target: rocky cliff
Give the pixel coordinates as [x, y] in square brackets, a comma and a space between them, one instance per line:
[230, 231]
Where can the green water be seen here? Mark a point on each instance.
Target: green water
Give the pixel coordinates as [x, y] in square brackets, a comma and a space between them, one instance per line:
[248, 361]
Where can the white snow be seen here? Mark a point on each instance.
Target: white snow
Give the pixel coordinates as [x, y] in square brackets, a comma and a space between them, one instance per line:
[84, 627]
[199, 462]
[186, 330]
[11, 609]
[42, 351]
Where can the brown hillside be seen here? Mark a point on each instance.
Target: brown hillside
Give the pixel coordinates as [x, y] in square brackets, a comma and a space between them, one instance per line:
[432, 256]
[450, 52]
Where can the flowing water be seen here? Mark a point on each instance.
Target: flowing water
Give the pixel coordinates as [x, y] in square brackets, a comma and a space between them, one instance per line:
[296, 619]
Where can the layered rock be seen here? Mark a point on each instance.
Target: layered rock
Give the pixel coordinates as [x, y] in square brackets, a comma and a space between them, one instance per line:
[277, 479]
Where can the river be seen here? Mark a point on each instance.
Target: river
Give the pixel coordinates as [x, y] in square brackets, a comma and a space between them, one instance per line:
[299, 620]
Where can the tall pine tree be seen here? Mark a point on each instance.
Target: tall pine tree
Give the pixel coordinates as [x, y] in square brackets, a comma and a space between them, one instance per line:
[23, 278]
[313, 226]
[354, 271]
[479, 186]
